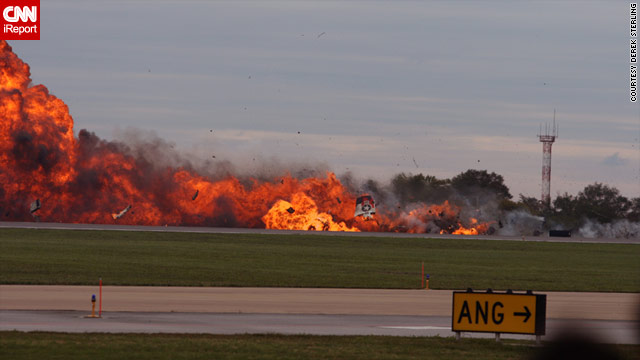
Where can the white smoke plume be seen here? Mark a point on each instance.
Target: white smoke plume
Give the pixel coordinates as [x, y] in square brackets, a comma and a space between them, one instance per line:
[617, 229]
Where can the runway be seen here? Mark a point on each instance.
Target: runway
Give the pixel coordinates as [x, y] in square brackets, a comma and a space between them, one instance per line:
[617, 332]
[611, 316]
[217, 230]
[560, 305]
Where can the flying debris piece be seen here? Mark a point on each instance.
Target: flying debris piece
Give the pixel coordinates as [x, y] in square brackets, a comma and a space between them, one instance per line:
[118, 216]
[324, 222]
[195, 195]
[339, 201]
[291, 210]
[35, 206]
[365, 207]
[414, 161]
[322, 33]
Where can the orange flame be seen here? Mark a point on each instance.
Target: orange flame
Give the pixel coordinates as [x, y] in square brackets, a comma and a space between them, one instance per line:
[301, 214]
[85, 179]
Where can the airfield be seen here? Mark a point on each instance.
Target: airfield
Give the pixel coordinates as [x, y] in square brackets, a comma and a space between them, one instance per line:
[610, 317]
[290, 311]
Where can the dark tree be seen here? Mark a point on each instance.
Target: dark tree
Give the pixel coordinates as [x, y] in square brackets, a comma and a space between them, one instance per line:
[634, 210]
[471, 182]
[565, 211]
[602, 203]
[420, 188]
[597, 202]
[531, 204]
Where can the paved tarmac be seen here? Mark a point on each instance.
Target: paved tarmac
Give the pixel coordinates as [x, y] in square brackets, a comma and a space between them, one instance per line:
[612, 317]
[620, 332]
[560, 305]
[195, 229]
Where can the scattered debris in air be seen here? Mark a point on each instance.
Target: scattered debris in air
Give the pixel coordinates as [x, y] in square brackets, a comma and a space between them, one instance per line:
[322, 33]
[195, 195]
[291, 210]
[119, 215]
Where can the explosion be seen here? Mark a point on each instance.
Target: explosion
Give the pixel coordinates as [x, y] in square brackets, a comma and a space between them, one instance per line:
[46, 172]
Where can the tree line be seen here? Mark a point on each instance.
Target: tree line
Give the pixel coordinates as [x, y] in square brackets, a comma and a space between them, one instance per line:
[596, 202]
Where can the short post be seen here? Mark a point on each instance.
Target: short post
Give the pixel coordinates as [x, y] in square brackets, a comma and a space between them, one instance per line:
[497, 337]
[422, 275]
[427, 287]
[93, 305]
[458, 336]
[538, 339]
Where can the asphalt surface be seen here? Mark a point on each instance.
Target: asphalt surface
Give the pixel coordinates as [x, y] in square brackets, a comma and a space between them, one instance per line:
[560, 305]
[618, 332]
[214, 230]
[611, 317]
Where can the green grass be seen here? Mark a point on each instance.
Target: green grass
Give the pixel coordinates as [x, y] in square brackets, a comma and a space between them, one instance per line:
[30, 256]
[40, 345]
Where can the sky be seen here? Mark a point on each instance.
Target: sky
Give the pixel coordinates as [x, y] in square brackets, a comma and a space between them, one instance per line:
[374, 88]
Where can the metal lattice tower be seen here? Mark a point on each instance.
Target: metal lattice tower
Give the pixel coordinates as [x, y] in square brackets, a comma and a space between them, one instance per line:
[547, 138]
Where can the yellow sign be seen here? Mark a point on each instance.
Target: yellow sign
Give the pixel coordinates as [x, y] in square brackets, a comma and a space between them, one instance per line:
[499, 313]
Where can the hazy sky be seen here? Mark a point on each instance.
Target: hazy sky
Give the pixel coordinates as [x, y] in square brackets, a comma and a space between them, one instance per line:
[375, 88]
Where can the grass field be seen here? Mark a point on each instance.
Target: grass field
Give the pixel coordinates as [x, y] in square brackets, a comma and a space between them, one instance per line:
[182, 259]
[17, 346]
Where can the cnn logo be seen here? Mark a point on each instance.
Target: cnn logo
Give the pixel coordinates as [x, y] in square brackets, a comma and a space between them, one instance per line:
[15, 13]
[20, 20]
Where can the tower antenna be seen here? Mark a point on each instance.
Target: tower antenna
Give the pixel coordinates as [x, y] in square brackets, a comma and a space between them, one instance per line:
[547, 138]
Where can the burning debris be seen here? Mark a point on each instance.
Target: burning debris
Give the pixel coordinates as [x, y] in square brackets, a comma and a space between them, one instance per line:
[306, 216]
[82, 177]
[35, 206]
[121, 213]
[365, 207]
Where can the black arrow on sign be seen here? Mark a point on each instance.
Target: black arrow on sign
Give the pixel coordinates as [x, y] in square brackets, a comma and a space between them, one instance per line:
[526, 314]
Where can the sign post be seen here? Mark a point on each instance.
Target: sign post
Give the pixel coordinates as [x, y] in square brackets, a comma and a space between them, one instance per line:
[499, 313]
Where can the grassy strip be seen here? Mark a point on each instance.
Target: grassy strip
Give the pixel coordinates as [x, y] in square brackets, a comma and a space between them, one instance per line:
[40, 345]
[152, 258]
